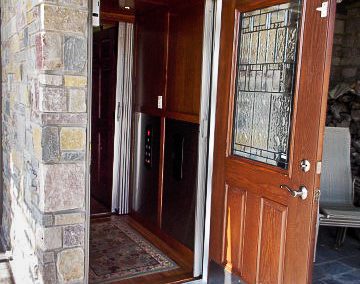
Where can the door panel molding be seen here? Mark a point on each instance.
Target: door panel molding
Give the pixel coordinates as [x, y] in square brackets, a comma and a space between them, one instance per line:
[235, 213]
[271, 247]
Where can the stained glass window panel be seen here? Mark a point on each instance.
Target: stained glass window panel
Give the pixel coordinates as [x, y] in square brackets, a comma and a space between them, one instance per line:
[266, 64]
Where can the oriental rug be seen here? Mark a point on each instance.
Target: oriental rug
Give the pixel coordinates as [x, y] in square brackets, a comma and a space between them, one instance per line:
[119, 252]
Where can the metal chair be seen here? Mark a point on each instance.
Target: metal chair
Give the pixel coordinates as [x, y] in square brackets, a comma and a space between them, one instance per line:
[337, 187]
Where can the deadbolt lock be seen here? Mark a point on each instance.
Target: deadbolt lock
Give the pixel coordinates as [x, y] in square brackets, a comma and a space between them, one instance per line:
[305, 166]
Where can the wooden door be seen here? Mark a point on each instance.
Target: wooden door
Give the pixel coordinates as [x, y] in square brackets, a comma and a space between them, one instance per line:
[103, 115]
[272, 91]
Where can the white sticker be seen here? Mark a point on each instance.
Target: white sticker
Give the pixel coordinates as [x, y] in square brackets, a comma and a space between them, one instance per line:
[96, 13]
[160, 104]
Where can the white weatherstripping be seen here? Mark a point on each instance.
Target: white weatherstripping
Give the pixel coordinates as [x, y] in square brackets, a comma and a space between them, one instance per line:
[88, 145]
[123, 119]
[203, 137]
[211, 140]
[212, 79]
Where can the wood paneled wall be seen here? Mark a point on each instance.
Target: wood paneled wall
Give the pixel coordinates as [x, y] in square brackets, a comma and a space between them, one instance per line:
[168, 63]
[168, 60]
[150, 59]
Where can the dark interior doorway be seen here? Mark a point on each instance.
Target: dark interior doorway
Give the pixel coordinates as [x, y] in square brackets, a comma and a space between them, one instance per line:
[103, 117]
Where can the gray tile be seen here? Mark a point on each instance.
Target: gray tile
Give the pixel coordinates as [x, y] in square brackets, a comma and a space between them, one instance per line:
[335, 266]
[330, 269]
[318, 273]
[353, 261]
[352, 277]
[333, 281]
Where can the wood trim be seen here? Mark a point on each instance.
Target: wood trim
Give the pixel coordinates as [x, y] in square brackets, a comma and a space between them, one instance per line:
[251, 5]
[234, 61]
[163, 125]
[155, 2]
[117, 17]
[101, 215]
[162, 235]
[166, 61]
[271, 208]
[161, 172]
[175, 5]
[193, 118]
[151, 111]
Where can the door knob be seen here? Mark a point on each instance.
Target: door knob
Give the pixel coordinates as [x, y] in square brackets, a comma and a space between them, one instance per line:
[302, 192]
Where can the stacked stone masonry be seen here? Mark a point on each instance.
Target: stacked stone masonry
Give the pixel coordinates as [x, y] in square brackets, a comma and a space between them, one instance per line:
[346, 50]
[344, 111]
[44, 97]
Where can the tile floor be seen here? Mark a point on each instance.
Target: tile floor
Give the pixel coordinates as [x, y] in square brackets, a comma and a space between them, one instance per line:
[335, 266]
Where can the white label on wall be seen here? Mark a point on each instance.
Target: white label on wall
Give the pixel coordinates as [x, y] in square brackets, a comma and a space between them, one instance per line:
[160, 104]
[96, 13]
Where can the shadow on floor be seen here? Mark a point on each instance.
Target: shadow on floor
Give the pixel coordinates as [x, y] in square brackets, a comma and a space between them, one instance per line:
[217, 275]
[335, 266]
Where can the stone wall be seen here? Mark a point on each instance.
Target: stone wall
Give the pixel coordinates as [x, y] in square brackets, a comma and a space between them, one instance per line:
[344, 100]
[44, 80]
[346, 51]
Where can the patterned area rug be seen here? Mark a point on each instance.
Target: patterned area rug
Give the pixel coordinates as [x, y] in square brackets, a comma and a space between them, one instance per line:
[118, 252]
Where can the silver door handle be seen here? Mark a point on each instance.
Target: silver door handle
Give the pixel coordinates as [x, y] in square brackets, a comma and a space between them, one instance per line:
[302, 192]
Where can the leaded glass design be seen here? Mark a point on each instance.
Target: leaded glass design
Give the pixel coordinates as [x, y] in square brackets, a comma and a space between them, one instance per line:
[267, 48]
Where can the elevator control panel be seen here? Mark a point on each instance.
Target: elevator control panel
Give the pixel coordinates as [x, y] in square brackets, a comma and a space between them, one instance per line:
[148, 146]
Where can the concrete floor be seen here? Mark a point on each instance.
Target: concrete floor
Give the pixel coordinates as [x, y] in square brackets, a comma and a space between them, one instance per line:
[335, 266]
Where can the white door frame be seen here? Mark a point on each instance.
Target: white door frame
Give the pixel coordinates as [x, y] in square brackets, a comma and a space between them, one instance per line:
[216, 30]
[206, 138]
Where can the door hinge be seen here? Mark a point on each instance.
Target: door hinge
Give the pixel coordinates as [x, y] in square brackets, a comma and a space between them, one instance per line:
[323, 9]
[317, 195]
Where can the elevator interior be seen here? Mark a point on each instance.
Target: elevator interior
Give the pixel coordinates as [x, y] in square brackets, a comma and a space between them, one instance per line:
[167, 78]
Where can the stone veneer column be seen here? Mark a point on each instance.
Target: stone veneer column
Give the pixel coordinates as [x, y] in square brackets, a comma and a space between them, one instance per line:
[44, 57]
